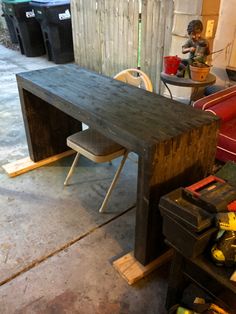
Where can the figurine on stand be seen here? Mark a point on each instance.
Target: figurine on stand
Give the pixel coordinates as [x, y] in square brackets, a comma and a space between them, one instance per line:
[196, 46]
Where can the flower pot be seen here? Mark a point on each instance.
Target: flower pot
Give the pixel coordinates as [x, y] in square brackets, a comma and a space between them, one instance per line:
[199, 73]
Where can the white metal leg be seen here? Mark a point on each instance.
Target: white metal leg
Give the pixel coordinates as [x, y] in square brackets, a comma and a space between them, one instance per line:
[113, 182]
[71, 171]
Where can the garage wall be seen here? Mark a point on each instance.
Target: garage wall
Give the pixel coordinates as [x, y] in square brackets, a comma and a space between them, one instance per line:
[185, 11]
[226, 33]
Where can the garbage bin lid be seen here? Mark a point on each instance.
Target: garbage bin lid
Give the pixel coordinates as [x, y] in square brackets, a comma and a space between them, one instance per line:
[15, 1]
[50, 2]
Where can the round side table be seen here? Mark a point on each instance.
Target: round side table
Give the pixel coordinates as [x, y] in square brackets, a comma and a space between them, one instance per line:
[186, 82]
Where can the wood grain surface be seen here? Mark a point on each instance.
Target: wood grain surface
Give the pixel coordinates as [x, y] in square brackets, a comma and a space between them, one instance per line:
[175, 143]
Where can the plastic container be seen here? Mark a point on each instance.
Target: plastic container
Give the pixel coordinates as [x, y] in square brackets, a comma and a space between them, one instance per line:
[199, 73]
[171, 64]
[55, 21]
[10, 25]
[186, 226]
[26, 28]
[178, 205]
[190, 244]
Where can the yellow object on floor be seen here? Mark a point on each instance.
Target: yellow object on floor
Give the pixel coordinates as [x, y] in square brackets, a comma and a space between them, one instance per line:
[182, 310]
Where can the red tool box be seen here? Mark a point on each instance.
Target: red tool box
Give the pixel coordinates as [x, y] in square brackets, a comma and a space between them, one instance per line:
[213, 194]
[189, 214]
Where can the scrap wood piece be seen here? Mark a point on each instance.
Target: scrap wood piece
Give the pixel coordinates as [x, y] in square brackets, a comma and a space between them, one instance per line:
[132, 271]
[23, 165]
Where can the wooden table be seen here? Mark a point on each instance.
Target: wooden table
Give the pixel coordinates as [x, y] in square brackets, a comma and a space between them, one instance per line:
[175, 143]
[187, 82]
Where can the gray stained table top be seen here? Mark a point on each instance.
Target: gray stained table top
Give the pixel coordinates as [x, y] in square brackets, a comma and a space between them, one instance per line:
[135, 116]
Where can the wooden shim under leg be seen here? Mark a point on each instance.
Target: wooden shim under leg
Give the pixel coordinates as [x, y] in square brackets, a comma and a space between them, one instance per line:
[21, 166]
[131, 270]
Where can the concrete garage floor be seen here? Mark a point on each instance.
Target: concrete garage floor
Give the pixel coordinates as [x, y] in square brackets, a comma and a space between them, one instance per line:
[56, 250]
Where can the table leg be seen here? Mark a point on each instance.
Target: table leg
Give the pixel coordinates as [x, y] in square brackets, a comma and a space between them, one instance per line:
[163, 168]
[46, 126]
[197, 93]
[149, 241]
[171, 97]
[176, 282]
[193, 94]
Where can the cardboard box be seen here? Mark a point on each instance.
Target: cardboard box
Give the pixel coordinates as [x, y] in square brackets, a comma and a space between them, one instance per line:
[210, 7]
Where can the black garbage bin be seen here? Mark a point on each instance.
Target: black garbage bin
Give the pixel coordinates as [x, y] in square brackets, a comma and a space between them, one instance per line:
[55, 19]
[26, 27]
[10, 24]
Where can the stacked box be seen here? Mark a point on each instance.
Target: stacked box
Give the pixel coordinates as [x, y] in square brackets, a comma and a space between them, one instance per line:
[188, 227]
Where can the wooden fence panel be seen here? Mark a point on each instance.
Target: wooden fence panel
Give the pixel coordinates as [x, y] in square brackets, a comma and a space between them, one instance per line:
[157, 16]
[106, 37]
[86, 33]
[105, 34]
[119, 22]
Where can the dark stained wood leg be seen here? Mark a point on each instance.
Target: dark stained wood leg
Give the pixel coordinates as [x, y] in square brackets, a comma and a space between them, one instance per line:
[165, 167]
[176, 282]
[46, 126]
[149, 241]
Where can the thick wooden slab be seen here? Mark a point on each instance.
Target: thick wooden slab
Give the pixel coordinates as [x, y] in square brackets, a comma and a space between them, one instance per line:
[21, 166]
[132, 271]
[171, 139]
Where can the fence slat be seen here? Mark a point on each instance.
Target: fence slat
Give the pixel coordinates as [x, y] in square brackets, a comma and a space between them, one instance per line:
[121, 35]
[156, 34]
[105, 35]
[85, 25]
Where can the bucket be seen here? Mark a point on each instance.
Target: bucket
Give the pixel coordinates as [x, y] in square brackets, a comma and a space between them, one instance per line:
[171, 64]
[199, 73]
